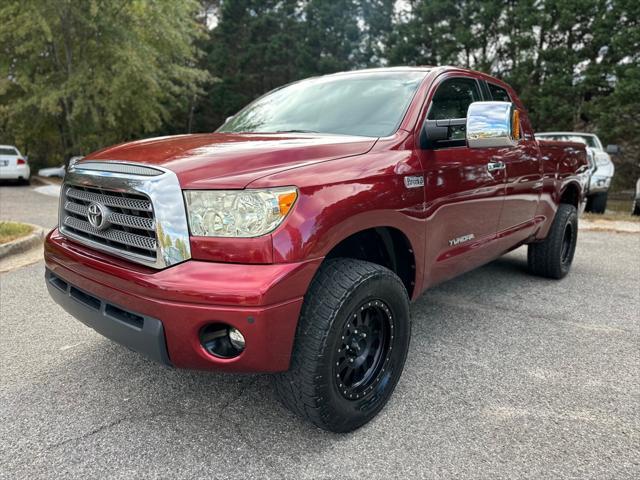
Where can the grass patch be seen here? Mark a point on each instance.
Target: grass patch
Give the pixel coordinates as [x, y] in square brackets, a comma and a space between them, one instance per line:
[619, 205]
[11, 230]
[618, 209]
[612, 216]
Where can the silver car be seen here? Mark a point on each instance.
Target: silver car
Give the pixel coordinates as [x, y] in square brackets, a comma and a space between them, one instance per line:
[602, 168]
[52, 171]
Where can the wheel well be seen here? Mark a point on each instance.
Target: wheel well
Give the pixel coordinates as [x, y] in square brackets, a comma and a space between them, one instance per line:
[385, 246]
[571, 195]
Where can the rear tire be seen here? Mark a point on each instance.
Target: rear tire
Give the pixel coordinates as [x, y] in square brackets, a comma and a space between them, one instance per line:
[597, 203]
[351, 345]
[636, 207]
[552, 257]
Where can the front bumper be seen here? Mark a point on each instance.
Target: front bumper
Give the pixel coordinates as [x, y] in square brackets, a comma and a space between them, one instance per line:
[138, 332]
[599, 184]
[174, 304]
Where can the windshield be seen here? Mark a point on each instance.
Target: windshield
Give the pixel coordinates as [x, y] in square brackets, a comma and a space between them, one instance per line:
[588, 140]
[366, 104]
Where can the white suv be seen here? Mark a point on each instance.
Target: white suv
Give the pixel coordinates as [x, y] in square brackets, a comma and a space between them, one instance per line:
[13, 165]
[602, 171]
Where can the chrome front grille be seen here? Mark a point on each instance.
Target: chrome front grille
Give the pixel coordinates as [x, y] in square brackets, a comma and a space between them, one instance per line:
[110, 200]
[131, 225]
[125, 220]
[126, 209]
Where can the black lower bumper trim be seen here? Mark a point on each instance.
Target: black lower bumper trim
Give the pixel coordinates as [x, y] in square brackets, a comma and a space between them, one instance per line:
[140, 333]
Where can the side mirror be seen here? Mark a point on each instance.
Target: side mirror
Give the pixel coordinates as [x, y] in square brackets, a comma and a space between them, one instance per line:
[613, 149]
[434, 131]
[492, 124]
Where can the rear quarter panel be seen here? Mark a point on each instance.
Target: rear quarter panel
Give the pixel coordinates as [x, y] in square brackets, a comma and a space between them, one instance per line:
[564, 164]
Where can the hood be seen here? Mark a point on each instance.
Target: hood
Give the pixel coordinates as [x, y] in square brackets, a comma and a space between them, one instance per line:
[221, 160]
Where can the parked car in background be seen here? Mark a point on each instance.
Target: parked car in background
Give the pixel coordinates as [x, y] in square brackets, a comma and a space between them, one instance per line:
[291, 240]
[13, 165]
[52, 171]
[636, 200]
[603, 168]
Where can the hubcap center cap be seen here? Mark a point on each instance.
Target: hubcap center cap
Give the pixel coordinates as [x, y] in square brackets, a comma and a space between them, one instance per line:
[358, 344]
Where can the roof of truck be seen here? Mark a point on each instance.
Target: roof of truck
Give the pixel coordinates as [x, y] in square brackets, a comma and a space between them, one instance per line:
[400, 68]
[419, 68]
[567, 133]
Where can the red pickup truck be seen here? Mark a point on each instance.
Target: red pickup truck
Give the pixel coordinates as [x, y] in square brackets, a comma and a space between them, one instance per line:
[292, 239]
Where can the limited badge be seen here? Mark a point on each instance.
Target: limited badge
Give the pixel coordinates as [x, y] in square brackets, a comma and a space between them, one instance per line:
[414, 182]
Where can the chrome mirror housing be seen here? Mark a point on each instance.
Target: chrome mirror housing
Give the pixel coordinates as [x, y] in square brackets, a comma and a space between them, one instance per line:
[613, 149]
[492, 124]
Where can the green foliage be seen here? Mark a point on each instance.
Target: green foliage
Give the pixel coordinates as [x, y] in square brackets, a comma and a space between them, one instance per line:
[575, 64]
[79, 75]
[259, 45]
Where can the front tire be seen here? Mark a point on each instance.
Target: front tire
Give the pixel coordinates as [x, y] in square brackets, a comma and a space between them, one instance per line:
[597, 203]
[552, 258]
[351, 345]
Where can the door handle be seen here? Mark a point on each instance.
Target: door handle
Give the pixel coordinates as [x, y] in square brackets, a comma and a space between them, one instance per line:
[494, 166]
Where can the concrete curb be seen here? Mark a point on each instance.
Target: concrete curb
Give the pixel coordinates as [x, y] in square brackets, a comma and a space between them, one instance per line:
[23, 244]
[617, 226]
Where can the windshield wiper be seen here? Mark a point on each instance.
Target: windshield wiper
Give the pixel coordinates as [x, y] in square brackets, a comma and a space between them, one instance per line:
[295, 131]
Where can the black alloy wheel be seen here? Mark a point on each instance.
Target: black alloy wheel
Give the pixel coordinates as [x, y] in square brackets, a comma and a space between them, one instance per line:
[365, 344]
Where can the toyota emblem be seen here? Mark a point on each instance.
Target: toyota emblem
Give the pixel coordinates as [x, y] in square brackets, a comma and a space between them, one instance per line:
[97, 214]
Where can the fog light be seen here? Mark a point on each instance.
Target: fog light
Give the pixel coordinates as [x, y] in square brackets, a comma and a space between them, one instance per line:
[236, 338]
[222, 340]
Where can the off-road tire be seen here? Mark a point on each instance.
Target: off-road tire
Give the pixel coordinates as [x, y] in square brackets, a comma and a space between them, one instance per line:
[552, 257]
[311, 387]
[597, 203]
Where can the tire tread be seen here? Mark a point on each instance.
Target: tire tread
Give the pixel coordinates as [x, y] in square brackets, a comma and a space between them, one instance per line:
[298, 388]
[543, 258]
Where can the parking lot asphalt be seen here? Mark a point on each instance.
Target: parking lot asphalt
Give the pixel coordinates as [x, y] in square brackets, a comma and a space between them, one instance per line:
[508, 376]
[24, 204]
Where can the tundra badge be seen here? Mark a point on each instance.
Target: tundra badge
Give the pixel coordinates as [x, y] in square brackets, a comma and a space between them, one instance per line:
[462, 239]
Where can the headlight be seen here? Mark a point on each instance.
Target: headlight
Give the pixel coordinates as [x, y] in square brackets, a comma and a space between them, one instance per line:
[602, 159]
[238, 213]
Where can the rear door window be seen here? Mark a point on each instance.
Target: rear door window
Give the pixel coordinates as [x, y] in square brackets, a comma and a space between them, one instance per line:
[499, 94]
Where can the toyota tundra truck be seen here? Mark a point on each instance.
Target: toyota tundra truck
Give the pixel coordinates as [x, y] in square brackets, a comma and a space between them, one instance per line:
[292, 239]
